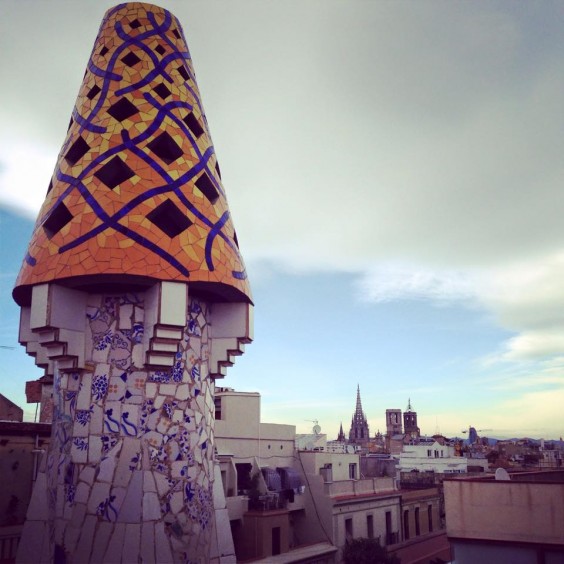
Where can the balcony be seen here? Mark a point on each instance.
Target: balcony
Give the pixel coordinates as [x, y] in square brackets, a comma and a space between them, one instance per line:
[359, 487]
[392, 538]
[271, 501]
[284, 500]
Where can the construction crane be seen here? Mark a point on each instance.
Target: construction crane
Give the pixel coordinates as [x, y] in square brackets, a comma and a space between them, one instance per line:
[477, 430]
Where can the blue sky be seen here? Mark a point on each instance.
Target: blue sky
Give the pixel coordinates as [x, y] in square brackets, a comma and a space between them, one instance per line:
[394, 171]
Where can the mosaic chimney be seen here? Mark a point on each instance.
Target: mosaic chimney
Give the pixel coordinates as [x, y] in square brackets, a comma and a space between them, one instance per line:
[134, 299]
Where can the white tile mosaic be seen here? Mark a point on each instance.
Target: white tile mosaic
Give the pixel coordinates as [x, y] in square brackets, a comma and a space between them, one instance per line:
[132, 454]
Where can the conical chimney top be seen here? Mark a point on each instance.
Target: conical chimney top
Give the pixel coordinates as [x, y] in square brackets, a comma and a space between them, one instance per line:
[136, 195]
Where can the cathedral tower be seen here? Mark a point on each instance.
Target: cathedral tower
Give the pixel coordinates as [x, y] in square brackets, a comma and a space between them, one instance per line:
[359, 425]
[393, 422]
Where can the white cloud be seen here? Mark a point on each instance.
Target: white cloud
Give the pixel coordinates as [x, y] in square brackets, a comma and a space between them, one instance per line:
[530, 294]
[529, 298]
[526, 298]
[394, 282]
[25, 172]
[535, 344]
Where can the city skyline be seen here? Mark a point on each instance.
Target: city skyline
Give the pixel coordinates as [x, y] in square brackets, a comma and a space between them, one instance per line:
[394, 175]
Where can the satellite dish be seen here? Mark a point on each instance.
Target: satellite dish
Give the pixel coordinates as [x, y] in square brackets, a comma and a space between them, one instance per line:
[350, 449]
[502, 475]
[316, 429]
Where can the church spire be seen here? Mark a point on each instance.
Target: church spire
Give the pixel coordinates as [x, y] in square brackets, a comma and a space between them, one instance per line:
[358, 410]
[359, 432]
[341, 437]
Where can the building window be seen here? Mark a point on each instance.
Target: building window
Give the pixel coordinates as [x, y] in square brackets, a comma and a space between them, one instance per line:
[406, 524]
[217, 403]
[275, 540]
[370, 526]
[430, 517]
[352, 471]
[417, 527]
[243, 477]
[389, 534]
[429, 453]
[348, 529]
[442, 453]
[436, 454]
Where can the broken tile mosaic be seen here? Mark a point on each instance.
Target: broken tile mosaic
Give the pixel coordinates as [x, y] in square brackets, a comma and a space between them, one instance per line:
[129, 474]
[137, 76]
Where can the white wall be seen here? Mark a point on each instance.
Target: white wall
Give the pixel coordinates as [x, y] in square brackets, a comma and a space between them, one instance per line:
[431, 457]
[313, 461]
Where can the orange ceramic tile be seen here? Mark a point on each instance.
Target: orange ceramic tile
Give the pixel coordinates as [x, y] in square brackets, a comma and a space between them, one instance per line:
[161, 234]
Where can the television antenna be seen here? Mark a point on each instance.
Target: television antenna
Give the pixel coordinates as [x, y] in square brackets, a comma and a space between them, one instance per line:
[316, 428]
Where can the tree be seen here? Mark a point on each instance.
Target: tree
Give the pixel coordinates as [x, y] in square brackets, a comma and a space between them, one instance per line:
[367, 551]
[492, 456]
[254, 492]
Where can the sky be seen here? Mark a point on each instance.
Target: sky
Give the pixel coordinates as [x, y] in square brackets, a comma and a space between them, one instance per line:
[395, 174]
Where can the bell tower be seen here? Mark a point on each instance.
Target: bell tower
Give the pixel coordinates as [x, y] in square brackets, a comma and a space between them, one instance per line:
[393, 422]
[410, 422]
